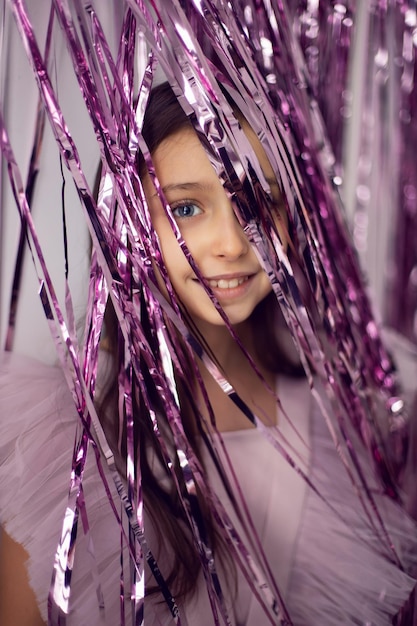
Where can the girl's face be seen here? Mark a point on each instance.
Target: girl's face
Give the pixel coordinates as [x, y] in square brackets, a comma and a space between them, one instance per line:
[207, 222]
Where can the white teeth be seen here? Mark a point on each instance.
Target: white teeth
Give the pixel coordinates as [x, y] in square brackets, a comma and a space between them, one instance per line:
[227, 284]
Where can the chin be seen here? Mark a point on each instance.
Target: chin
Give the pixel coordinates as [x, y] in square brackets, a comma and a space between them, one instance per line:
[216, 320]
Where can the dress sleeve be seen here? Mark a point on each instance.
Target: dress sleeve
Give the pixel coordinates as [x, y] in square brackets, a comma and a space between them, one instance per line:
[344, 569]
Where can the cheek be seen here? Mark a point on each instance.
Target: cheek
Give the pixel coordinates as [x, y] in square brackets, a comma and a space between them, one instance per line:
[160, 280]
[164, 243]
[266, 286]
[175, 262]
[281, 223]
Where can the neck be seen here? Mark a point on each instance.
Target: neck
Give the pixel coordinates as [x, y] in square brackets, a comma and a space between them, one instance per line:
[222, 344]
[239, 372]
[230, 356]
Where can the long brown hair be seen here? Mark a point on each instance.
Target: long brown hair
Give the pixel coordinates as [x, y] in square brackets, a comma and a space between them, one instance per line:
[164, 117]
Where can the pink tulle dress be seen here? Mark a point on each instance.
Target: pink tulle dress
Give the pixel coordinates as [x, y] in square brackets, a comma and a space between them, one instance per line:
[331, 569]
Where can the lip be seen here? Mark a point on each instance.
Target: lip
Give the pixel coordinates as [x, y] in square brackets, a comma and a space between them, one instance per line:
[223, 293]
[229, 277]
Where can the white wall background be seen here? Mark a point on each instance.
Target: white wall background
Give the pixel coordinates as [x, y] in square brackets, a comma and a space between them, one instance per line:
[19, 96]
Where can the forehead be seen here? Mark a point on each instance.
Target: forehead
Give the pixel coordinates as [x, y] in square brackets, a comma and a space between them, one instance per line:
[181, 160]
[183, 149]
[181, 153]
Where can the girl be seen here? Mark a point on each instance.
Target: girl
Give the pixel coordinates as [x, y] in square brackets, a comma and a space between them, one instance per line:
[327, 562]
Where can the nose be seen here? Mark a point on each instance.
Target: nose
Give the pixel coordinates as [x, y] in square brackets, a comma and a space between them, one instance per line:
[227, 237]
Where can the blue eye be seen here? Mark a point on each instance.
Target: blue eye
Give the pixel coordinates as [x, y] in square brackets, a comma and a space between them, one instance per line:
[185, 210]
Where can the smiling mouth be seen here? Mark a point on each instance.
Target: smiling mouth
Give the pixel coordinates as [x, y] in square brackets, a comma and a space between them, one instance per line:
[227, 284]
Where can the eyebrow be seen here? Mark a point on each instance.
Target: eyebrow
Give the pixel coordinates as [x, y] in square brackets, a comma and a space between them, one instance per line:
[191, 186]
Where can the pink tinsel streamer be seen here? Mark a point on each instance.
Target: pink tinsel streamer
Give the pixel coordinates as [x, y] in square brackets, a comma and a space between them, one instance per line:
[352, 357]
